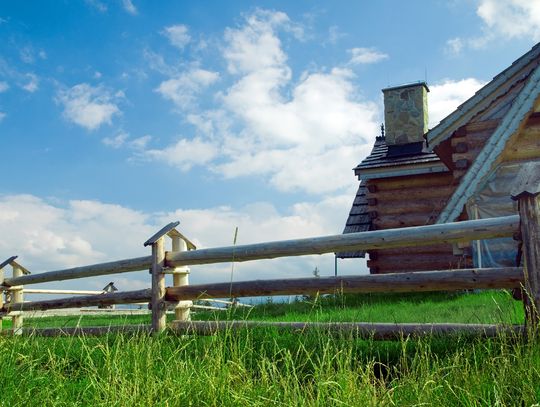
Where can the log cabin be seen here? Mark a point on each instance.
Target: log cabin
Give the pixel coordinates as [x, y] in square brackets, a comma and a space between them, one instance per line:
[460, 169]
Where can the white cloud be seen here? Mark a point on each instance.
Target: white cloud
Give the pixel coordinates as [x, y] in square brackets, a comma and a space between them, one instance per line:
[140, 143]
[88, 106]
[116, 141]
[49, 236]
[304, 135]
[42, 54]
[178, 35]
[2, 116]
[183, 88]
[502, 20]
[129, 7]
[334, 35]
[366, 56]
[3, 86]
[446, 96]
[33, 83]
[184, 154]
[27, 55]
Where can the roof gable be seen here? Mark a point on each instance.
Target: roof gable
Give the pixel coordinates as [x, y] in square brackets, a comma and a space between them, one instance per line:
[499, 86]
[484, 163]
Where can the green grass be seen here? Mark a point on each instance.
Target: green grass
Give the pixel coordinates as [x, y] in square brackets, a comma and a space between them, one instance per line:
[266, 367]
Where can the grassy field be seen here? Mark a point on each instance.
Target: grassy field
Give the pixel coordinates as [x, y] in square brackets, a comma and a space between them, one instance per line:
[266, 367]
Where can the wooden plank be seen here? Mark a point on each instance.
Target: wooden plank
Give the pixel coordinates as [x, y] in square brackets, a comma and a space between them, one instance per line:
[159, 307]
[378, 239]
[373, 330]
[7, 261]
[127, 297]
[506, 277]
[404, 220]
[61, 292]
[161, 233]
[101, 269]
[482, 125]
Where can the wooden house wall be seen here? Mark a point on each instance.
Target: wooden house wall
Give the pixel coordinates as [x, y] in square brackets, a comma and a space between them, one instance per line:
[410, 201]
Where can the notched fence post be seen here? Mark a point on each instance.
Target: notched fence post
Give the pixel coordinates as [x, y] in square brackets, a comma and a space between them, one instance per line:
[527, 193]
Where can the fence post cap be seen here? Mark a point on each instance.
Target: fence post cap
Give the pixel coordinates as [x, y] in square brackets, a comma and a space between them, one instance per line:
[528, 181]
[162, 232]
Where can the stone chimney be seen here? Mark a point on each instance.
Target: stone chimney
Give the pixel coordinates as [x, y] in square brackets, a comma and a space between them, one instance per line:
[405, 113]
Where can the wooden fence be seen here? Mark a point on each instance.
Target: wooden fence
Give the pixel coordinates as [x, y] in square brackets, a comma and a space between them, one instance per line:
[524, 227]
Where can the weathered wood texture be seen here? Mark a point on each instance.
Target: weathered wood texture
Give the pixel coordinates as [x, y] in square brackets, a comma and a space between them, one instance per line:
[101, 269]
[86, 331]
[180, 279]
[61, 292]
[405, 261]
[508, 277]
[527, 193]
[1, 293]
[159, 307]
[17, 297]
[127, 297]
[405, 237]
[378, 331]
[523, 146]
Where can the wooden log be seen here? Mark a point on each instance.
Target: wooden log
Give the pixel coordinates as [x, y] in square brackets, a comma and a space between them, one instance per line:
[462, 164]
[61, 292]
[87, 330]
[400, 183]
[527, 193]
[412, 194]
[526, 147]
[461, 147]
[159, 307]
[373, 330]
[17, 297]
[379, 239]
[403, 220]
[101, 269]
[482, 125]
[436, 248]
[505, 277]
[411, 207]
[180, 279]
[127, 297]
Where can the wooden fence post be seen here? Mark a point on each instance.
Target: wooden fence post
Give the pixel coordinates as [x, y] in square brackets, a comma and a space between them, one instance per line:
[17, 297]
[527, 193]
[159, 306]
[181, 278]
[1, 293]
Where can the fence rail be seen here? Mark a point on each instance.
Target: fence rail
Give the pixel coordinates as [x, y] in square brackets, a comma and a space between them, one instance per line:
[525, 226]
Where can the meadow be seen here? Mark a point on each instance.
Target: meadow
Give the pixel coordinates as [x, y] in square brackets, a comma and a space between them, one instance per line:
[264, 367]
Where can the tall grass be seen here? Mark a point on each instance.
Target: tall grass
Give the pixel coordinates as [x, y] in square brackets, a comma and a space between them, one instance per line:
[264, 367]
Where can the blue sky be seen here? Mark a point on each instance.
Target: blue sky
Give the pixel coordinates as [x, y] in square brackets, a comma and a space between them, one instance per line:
[117, 117]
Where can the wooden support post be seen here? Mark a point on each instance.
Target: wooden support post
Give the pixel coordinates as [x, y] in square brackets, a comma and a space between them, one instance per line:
[1, 293]
[181, 278]
[527, 193]
[159, 306]
[17, 297]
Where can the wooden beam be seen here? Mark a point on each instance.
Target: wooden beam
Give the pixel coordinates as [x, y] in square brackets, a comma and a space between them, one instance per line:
[418, 192]
[506, 277]
[60, 292]
[159, 307]
[101, 269]
[127, 297]
[527, 193]
[379, 239]
[400, 183]
[373, 330]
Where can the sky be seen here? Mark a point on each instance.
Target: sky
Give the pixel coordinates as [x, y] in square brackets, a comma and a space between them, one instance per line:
[118, 117]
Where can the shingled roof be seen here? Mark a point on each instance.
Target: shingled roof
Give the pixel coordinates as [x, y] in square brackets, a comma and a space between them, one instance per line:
[358, 220]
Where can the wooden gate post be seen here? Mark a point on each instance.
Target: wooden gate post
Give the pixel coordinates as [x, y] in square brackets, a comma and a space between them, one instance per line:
[527, 193]
[17, 297]
[181, 278]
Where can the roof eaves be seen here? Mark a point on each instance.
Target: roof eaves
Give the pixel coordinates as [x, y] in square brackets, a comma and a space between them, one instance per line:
[483, 163]
[402, 170]
[441, 132]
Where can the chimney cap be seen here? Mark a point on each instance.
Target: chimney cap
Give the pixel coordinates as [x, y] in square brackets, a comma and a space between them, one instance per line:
[407, 85]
